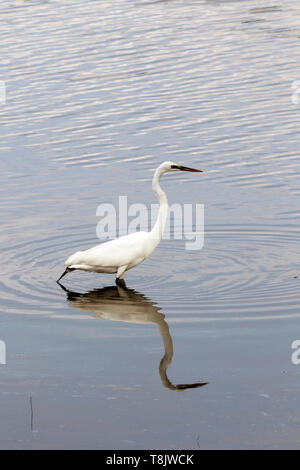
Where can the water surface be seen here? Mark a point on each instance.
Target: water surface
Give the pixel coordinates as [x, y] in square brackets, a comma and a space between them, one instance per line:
[99, 94]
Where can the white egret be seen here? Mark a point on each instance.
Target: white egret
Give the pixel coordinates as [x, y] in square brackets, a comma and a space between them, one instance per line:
[124, 253]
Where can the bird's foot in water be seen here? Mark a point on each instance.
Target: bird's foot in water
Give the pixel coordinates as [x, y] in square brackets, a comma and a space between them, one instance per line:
[120, 282]
[66, 271]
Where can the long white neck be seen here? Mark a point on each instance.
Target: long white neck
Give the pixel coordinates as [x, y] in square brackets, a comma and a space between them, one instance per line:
[158, 229]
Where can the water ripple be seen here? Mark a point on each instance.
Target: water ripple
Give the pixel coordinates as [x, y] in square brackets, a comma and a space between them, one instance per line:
[239, 271]
[98, 94]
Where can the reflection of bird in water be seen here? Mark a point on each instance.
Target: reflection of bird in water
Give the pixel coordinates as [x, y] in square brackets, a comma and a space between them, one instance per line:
[127, 305]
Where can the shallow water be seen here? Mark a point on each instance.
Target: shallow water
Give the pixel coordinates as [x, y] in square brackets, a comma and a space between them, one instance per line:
[98, 94]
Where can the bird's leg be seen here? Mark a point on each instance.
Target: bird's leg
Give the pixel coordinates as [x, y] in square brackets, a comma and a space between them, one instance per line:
[119, 279]
[66, 271]
[121, 283]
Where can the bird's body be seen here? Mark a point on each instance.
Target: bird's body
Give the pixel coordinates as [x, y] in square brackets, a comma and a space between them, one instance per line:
[124, 253]
[129, 250]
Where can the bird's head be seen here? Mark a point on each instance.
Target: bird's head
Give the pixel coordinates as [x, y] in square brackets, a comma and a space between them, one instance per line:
[170, 167]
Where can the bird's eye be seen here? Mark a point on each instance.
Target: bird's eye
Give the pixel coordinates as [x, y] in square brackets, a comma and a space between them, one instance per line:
[175, 167]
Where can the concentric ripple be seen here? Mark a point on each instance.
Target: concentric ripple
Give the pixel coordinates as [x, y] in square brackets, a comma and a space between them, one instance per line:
[29, 283]
[245, 273]
[240, 273]
[98, 94]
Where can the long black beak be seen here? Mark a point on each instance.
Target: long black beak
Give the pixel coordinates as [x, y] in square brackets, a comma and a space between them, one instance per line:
[186, 168]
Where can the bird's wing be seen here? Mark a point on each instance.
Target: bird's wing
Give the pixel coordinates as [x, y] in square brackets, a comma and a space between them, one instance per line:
[114, 253]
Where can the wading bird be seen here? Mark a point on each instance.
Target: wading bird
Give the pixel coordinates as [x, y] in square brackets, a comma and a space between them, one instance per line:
[124, 253]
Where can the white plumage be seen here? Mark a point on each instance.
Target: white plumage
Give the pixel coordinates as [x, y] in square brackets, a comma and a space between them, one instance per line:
[108, 257]
[124, 253]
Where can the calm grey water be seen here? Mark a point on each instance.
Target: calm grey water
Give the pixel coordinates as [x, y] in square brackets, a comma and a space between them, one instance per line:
[99, 94]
